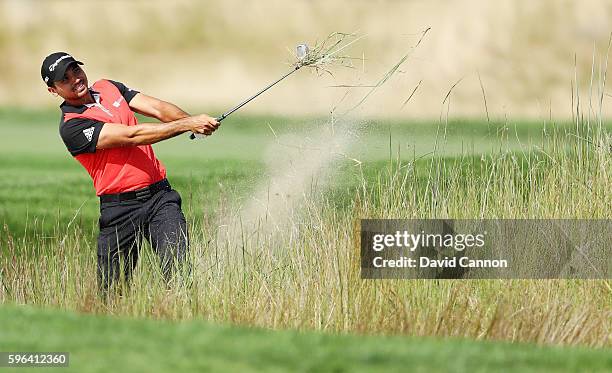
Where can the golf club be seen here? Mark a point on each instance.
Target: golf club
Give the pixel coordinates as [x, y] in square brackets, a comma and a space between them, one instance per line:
[301, 52]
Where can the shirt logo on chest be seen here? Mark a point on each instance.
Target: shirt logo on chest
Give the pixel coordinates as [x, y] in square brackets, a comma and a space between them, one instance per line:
[118, 102]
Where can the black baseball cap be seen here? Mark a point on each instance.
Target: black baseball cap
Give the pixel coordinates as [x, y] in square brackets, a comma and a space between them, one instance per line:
[54, 67]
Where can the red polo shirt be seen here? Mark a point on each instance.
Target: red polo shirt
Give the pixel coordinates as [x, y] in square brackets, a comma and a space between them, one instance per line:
[114, 170]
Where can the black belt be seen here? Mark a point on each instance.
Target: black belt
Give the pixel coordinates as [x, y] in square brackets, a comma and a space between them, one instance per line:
[140, 194]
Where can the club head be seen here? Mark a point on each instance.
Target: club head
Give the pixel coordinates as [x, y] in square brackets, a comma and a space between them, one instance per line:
[301, 51]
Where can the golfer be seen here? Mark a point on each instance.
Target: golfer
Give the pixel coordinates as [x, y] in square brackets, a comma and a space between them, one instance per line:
[100, 130]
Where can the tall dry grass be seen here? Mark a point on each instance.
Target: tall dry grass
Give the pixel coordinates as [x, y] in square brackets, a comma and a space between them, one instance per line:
[305, 275]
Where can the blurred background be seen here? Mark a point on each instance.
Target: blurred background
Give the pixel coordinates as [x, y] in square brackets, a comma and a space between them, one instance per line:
[208, 55]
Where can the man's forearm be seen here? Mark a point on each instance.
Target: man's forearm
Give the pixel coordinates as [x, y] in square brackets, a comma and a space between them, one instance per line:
[118, 135]
[169, 112]
[150, 133]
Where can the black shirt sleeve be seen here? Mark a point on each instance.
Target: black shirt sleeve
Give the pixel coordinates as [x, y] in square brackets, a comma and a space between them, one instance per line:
[127, 93]
[81, 135]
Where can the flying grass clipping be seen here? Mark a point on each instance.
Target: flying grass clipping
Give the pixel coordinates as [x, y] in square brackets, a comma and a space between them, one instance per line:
[331, 52]
[327, 53]
[321, 57]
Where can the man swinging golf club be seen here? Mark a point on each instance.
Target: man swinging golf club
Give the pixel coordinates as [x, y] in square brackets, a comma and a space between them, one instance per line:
[100, 130]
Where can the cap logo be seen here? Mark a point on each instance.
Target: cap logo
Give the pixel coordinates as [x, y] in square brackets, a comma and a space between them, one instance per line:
[54, 64]
[46, 79]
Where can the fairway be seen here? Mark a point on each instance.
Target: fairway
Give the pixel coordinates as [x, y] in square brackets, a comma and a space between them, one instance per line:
[43, 188]
[101, 343]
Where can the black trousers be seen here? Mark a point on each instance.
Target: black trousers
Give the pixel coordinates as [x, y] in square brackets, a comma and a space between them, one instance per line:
[124, 224]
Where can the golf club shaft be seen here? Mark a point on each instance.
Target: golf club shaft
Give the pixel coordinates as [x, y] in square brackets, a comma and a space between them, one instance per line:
[227, 113]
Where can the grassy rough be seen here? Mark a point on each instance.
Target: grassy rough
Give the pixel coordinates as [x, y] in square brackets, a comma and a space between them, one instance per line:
[305, 275]
[102, 343]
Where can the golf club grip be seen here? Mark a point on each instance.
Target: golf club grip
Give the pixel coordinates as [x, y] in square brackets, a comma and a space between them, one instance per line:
[193, 136]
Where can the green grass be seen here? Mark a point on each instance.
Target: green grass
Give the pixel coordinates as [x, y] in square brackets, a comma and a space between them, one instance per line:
[305, 274]
[105, 343]
[43, 188]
